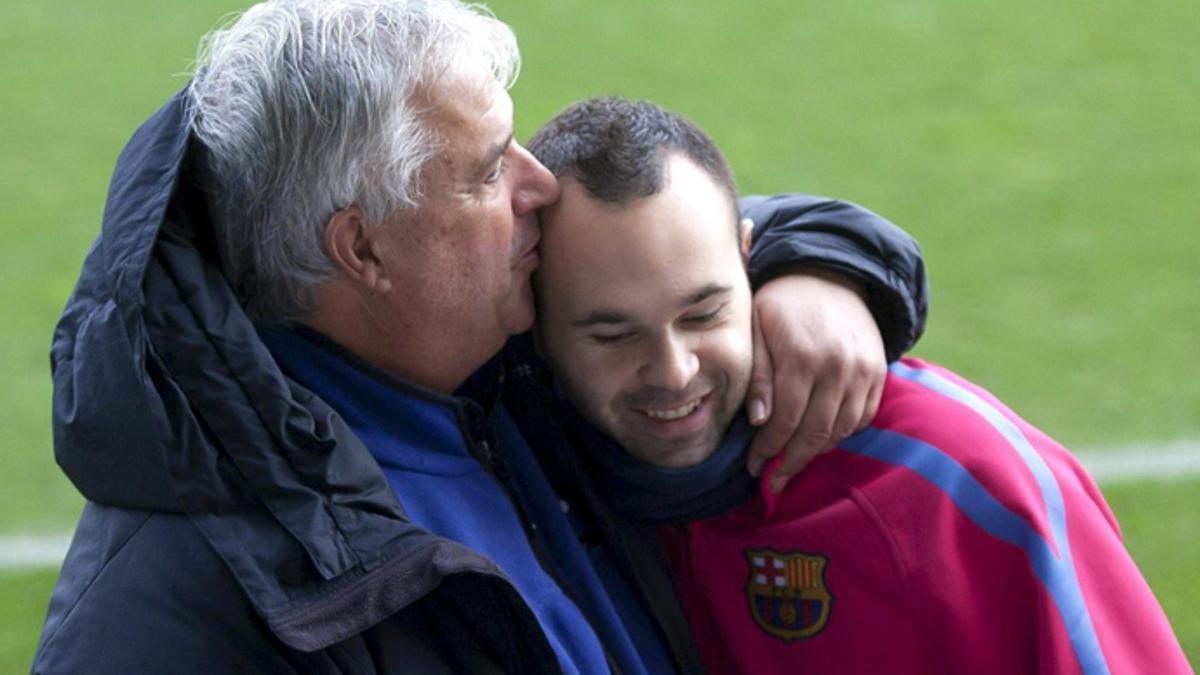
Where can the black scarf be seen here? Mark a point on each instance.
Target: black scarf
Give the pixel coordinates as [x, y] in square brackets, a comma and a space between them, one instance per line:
[646, 493]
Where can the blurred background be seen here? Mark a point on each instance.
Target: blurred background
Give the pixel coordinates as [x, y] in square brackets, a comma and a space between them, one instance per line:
[1046, 155]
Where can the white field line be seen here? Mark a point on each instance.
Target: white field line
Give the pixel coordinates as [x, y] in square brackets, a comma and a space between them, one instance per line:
[1177, 460]
[33, 551]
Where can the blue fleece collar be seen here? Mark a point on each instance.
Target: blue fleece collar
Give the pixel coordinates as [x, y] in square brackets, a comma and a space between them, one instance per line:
[435, 428]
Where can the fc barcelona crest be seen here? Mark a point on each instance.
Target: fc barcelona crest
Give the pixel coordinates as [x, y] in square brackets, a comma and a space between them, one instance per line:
[787, 593]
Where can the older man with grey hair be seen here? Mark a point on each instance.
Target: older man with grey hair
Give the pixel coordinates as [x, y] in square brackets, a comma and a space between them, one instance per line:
[275, 381]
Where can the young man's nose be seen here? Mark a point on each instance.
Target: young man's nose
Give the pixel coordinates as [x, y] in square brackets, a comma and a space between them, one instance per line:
[671, 365]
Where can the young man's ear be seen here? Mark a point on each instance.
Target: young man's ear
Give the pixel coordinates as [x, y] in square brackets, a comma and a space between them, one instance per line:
[356, 251]
[746, 227]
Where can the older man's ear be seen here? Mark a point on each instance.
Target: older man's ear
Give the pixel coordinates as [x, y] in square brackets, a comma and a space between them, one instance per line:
[356, 251]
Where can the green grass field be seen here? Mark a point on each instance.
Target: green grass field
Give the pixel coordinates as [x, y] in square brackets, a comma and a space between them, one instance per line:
[1047, 155]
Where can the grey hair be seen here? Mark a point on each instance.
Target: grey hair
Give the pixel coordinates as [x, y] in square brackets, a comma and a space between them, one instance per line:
[304, 107]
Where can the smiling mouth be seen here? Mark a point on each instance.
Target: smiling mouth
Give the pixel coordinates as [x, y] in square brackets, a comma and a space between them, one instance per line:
[669, 414]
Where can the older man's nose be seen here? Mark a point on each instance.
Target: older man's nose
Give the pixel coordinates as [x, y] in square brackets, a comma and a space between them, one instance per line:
[537, 187]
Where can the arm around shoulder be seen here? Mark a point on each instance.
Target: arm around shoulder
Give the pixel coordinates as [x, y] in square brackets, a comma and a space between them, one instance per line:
[793, 231]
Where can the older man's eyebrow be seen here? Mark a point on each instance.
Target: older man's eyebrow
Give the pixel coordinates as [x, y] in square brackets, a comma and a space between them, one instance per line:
[704, 293]
[495, 152]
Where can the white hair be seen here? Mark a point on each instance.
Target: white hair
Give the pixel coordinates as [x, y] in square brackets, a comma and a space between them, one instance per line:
[305, 107]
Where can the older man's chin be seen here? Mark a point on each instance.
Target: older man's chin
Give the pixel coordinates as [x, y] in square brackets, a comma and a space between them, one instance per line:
[522, 316]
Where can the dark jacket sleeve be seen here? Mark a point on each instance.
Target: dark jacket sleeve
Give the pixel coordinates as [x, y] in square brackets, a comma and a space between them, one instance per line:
[792, 230]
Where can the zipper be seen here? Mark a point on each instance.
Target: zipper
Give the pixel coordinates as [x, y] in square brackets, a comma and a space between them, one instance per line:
[475, 424]
[496, 467]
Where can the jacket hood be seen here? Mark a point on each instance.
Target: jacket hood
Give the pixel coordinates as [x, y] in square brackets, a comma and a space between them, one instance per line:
[104, 438]
[166, 399]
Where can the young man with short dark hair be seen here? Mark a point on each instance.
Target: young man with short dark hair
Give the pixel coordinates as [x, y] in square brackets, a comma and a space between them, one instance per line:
[949, 536]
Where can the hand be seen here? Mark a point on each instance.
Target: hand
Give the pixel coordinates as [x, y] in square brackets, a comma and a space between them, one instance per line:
[819, 367]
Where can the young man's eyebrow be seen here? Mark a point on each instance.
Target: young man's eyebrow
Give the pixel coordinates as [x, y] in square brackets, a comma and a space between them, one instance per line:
[494, 153]
[600, 317]
[610, 317]
[704, 293]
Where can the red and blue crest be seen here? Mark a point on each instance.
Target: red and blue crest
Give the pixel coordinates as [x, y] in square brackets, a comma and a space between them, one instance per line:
[787, 593]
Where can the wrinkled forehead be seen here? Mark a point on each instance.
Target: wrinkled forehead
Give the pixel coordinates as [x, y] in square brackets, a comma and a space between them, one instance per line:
[466, 119]
[459, 106]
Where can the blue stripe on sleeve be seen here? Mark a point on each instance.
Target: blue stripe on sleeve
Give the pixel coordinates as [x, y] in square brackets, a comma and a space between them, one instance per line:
[1051, 564]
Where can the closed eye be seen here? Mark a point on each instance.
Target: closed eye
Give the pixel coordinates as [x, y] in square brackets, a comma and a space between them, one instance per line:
[613, 339]
[706, 318]
[494, 177]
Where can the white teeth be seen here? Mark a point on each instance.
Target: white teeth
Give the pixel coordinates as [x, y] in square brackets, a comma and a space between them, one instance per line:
[674, 414]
